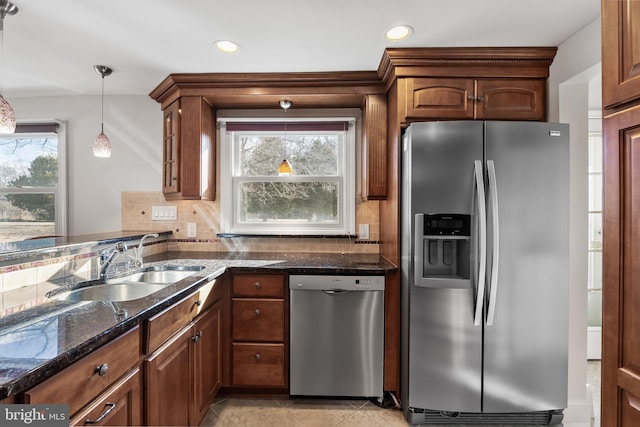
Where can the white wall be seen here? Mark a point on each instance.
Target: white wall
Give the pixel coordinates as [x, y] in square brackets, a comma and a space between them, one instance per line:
[134, 127]
[576, 64]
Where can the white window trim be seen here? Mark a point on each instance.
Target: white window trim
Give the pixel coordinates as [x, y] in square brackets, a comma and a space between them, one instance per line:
[60, 192]
[228, 185]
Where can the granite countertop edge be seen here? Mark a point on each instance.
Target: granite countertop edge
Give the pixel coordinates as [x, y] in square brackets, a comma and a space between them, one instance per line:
[216, 264]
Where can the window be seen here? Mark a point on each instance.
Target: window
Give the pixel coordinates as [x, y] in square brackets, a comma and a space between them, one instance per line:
[32, 184]
[317, 198]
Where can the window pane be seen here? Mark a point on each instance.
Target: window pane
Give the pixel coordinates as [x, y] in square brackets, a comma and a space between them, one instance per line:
[288, 203]
[595, 270]
[29, 162]
[23, 216]
[309, 155]
[595, 231]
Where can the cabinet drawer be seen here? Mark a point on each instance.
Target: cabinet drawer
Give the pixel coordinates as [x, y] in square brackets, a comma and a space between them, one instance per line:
[81, 382]
[259, 286]
[258, 319]
[258, 365]
[166, 323]
[121, 405]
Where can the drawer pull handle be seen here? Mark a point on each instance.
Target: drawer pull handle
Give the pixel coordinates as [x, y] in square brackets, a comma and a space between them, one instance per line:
[258, 357]
[102, 369]
[109, 407]
[258, 312]
[258, 285]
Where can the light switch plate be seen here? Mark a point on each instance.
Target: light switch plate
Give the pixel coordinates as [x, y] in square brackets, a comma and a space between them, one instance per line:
[191, 229]
[164, 213]
[363, 232]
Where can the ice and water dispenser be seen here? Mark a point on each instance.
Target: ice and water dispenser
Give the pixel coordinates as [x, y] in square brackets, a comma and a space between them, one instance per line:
[442, 250]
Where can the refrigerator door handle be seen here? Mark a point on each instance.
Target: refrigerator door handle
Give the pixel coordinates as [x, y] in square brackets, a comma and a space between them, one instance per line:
[482, 225]
[495, 244]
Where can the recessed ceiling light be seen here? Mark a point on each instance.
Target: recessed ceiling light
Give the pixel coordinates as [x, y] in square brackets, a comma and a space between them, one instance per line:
[400, 32]
[227, 46]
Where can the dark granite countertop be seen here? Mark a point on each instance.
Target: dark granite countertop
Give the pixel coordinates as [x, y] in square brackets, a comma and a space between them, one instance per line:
[41, 341]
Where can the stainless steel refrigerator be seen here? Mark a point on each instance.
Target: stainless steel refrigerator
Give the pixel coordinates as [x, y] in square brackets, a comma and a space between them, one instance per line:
[484, 272]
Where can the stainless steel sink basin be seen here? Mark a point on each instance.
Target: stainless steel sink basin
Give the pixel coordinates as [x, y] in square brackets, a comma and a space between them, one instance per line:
[161, 274]
[111, 292]
[132, 286]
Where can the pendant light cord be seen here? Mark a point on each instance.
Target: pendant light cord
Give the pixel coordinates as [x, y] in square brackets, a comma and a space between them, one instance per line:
[102, 109]
[2, 54]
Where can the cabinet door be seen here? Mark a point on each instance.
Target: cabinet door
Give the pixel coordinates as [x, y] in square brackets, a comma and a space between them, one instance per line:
[120, 405]
[207, 361]
[171, 149]
[510, 99]
[621, 57]
[168, 382]
[438, 98]
[621, 271]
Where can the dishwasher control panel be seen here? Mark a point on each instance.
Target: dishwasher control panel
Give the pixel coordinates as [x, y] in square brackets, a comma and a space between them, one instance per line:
[333, 282]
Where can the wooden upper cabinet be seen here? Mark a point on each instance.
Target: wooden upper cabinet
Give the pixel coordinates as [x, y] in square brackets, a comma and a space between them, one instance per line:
[439, 98]
[374, 147]
[462, 98]
[621, 51]
[510, 99]
[189, 150]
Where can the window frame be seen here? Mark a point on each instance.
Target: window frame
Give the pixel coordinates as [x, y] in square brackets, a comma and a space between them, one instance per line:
[346, 179]
[60, 191]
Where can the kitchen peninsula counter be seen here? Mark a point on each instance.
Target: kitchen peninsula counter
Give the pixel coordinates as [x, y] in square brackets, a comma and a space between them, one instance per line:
[40, 341]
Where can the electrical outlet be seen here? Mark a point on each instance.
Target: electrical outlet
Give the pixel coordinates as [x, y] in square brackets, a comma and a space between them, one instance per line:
[191, 229]
[363, 232]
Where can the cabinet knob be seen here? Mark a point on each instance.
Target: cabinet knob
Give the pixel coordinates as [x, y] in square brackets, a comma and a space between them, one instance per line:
[258, 357]
[173, 178]
[258, 312]
[102, 369]
[258, 285]
[471, 97]
[196, 337]
[480, 98]
[198, 303]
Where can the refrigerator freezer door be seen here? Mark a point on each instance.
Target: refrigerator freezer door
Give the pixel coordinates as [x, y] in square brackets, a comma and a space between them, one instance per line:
[525, 351]
[442, 348]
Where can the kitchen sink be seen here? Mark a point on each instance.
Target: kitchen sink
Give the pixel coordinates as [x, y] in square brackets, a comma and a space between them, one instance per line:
[130, 287]
[111, 292]
[158, 274]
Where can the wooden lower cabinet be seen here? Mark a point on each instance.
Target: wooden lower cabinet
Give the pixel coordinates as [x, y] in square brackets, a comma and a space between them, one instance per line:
[168, 381]
[207, 361]
[120, 405]
[82, 384]
[183, 375]
[259, 353]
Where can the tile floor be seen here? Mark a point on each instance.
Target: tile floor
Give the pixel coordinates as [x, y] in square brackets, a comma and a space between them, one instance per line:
[237, 412]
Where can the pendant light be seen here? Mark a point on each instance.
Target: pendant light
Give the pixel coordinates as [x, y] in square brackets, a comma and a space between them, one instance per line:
[102, 145]
[285, 168]
[7, 115]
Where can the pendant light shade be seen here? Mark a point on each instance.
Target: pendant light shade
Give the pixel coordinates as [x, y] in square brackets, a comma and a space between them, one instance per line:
[7, 115]
[102, 145]
[284, 169]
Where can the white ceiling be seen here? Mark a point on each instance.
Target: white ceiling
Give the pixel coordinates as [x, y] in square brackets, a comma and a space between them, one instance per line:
[50, 47]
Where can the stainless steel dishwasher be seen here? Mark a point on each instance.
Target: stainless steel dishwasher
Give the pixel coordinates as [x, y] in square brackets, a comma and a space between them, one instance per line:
[336, 335]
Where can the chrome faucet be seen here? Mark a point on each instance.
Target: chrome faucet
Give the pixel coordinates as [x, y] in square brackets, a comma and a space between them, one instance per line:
[138, 258]
[108, 256]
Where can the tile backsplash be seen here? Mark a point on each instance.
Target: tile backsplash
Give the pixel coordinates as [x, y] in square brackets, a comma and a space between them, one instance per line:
[136, 215]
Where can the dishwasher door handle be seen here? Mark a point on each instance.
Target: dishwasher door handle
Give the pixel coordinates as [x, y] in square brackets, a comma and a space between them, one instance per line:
[335, 291]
